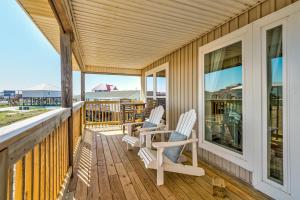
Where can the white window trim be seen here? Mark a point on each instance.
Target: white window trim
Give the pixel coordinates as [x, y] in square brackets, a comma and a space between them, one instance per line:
[153, 71]
[260, 179]
[245, 35]
[290, 189]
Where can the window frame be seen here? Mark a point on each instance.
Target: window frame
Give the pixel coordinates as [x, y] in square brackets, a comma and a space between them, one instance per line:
[285, 186]
[245, 36]
[153, 72]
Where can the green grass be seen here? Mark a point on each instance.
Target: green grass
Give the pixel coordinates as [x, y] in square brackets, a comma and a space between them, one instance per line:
[9, 117]
[3, 105]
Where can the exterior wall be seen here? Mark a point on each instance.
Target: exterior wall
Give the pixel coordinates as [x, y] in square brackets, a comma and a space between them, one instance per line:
[183, 79]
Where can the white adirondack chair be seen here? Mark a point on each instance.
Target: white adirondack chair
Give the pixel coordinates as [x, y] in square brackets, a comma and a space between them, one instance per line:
[154, 118]
[155, 159]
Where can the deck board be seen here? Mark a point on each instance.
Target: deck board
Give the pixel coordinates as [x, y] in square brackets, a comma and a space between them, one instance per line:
[106, 170]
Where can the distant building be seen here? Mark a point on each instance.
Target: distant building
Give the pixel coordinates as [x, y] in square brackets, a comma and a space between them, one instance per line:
[112, 95]
[104, 88]
[42, 95]
[7, 94]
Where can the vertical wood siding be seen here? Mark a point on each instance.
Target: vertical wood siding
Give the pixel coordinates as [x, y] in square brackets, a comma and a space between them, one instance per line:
[183, 75]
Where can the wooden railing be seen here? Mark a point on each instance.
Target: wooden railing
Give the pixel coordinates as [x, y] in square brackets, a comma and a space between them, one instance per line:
[102, 113]
[34, 155]
[108, 113]
[78, 110]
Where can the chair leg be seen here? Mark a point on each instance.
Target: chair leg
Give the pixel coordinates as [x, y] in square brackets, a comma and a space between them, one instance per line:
[128, 147]
[148, 141]
[194, 150]
[160, 169]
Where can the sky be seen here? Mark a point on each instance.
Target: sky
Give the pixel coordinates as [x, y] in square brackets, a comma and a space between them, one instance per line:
[217, 80]
[28, 59]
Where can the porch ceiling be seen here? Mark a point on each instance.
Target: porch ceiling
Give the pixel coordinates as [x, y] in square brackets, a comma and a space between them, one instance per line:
[131, 34]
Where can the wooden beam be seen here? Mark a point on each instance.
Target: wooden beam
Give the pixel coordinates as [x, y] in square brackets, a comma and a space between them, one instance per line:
[67, 85]
[61, 15]
[112, 70]
[64, 15]
[82, 96]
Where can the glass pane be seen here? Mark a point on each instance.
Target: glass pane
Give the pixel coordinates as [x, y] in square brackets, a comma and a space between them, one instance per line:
[149, 86]
[162, 101]
[161, 83]
[223, 97]
[274, 92]
[151, 101]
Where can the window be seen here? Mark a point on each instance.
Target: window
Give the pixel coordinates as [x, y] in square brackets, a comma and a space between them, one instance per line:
[149, 82]
[156, 86]
[274, 104]
[223, 94]
[161, 83]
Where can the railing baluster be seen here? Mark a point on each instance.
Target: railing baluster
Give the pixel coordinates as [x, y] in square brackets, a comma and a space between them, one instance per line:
[43, 170]
[20, 179]
[47, 180]
[36, 171]
[92, 110]
[105, 114]
[58, 160]
[10, 183]
[54, 164]
[51, 166]
[99, 113]
[66, 150]
[102, 114]
[28, 175]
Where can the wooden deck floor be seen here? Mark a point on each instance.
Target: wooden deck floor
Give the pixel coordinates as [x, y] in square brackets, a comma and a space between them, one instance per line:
[105, 170]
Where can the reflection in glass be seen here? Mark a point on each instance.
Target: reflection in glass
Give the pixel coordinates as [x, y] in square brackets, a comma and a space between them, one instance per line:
[275, 108]
[161, 83]
[149, 82]
[223, 97]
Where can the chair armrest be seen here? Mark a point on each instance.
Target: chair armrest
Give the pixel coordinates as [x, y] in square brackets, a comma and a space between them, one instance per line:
[148, 129]
[172, 144]
[154, 132]
[134, 123]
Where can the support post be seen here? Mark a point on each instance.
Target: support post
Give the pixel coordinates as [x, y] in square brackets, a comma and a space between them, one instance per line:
[82, 75]
[67, 85]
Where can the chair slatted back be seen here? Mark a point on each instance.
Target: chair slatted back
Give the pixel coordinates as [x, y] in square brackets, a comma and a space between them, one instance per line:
[156, 115]
[186, 123]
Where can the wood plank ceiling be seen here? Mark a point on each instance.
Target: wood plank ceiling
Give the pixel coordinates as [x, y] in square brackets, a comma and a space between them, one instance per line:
[134, 33]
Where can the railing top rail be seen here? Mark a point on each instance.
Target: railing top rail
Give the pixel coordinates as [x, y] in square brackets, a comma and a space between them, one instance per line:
[77, 105]
[18, 130]
[102, 101]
